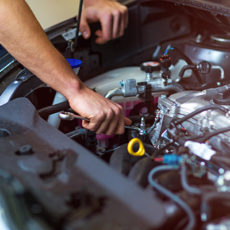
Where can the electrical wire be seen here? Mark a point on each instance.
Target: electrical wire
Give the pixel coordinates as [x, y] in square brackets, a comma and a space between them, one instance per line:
[184, 181]
[167, 50]
[200, 110]
[111, 150]
[206, 137]
[170, 195]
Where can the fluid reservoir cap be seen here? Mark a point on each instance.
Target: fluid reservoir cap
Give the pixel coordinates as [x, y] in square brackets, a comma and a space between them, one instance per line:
[74, 63]
[150, 66]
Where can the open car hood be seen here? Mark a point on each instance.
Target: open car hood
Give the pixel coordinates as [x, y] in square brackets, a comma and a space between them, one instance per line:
[215, 6]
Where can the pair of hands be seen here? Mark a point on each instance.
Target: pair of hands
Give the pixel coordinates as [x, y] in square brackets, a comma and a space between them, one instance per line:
[105, 116]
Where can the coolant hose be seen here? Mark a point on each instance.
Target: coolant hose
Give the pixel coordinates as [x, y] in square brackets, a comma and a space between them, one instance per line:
[170, 195]
[184, 182]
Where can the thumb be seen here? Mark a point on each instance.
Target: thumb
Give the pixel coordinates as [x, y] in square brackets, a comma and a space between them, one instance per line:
[84, 27]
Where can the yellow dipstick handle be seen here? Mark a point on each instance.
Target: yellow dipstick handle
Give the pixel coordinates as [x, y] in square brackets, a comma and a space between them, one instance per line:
[140, 152]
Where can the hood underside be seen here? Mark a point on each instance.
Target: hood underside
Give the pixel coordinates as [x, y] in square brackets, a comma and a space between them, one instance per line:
[215, 6]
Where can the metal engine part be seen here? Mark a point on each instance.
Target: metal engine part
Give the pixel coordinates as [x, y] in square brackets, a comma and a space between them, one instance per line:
[183, 103]
[108, 83]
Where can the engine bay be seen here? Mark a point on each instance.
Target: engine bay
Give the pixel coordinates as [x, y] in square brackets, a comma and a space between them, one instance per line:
[171, 167]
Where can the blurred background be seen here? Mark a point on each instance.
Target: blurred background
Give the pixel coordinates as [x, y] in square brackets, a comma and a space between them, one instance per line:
[51, 12]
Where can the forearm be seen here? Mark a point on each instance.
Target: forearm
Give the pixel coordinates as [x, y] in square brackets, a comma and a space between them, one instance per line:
[23, 37]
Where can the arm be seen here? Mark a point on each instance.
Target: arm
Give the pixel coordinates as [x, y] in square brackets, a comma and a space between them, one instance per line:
[23, 37]
[112, 15]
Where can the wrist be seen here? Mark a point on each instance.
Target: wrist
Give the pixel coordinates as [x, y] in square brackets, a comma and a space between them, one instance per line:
[73, 88]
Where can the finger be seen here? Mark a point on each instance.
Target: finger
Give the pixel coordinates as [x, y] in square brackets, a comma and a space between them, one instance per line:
[123, 20]
[106, 122]
[117, 18]
[94, 123]
[120, 126]
[106, 24]
[121, 26]
[113, 126]
[84, 27]
[99, 39]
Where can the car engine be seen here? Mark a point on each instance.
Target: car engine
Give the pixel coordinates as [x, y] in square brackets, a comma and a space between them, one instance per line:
[171, 167]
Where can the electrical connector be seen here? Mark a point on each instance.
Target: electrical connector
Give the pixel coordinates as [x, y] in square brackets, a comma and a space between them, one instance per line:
[172, 159]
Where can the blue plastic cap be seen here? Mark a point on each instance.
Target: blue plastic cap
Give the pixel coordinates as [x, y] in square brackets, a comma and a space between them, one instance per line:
[74, 63]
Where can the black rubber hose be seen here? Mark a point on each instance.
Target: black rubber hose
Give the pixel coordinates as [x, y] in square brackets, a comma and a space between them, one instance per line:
[191, 216]
[222, 101]
[210, 135]
[189, 67]
[221, 160]
[200, 110]
[46, 111]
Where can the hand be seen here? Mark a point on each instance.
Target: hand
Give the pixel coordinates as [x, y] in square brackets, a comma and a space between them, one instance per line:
[105, 116]
[112, 15]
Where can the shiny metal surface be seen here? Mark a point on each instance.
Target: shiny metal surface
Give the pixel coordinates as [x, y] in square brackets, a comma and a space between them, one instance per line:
[9, 92]
[71, 116]
[180, 104]
[220, 38]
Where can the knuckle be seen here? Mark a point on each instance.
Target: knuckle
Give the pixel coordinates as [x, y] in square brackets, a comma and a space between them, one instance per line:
[100, 115]
[117, 111]
[116, 13]
[110, 113]
[124, 9]
[120, 108]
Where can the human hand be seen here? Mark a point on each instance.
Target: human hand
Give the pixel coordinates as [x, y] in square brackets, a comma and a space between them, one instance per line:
[105, 116]
[112, 15]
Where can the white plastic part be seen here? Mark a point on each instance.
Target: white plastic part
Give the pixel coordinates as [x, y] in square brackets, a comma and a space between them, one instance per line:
[54, 119]
[201, 150]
